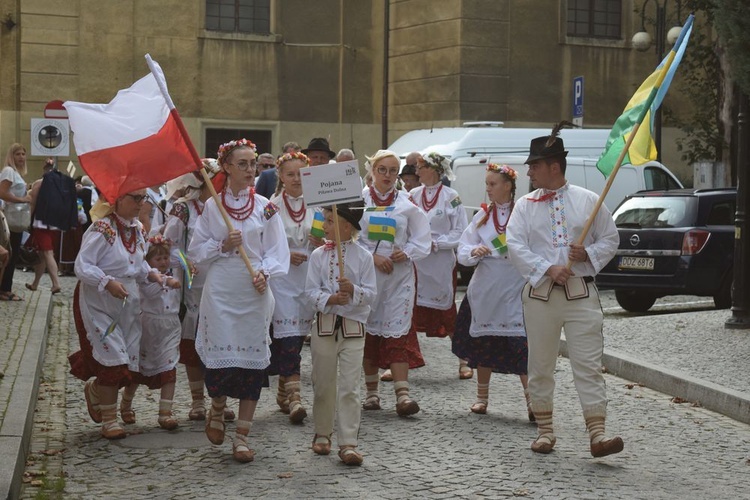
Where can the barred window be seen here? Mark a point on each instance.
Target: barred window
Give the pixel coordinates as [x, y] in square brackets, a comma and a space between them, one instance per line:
[594, 18]
[243, 16]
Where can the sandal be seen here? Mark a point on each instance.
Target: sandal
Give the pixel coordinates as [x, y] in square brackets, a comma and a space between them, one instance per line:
[197, 412]
[371, 403]
[215, 427]
[321, 445]
[92, 402]
[387, 376]
[56, 290]
[350, 456]
[127, 415]
[29, 287]
[241, 452]
[112, 430]
[480, 407]
[167, 421]
[10, 297]
[465, 372]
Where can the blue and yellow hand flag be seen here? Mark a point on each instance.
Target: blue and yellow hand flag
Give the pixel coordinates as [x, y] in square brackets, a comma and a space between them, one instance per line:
[113, 325]
[381, 229]
[380, 209]
[317, 226]
[186, 267]
[642, 106]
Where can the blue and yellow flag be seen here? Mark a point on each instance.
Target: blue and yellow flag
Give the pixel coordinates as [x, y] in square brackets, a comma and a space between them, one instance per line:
[317, 226]
[381, 229]
[642, 106]
[380, 209]
[185, 267]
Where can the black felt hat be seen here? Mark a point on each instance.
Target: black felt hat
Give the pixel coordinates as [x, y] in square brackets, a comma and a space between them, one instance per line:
[546, 147]
[408, 170]
[351, 212]
[319, 144]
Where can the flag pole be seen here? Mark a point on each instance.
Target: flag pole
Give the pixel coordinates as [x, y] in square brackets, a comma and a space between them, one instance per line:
[337, 234]
[621, 157]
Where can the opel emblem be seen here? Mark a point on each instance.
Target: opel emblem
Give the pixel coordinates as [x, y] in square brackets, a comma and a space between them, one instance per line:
[634, 240]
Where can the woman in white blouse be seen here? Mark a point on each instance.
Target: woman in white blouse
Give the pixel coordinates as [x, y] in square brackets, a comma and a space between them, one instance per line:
[16, 197]
[397, 234]
[435, 313]
[293, 314]
[490, 332]
[236, 308]
[106, 307]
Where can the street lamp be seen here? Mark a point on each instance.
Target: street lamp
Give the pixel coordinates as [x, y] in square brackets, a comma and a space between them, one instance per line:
[642, 42]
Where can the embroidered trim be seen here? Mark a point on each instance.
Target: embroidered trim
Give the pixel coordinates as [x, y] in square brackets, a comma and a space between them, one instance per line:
[103, 227]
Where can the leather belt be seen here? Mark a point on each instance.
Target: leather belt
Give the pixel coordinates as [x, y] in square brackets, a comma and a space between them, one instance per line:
[586, 279]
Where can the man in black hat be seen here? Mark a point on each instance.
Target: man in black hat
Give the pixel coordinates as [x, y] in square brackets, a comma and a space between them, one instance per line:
[541, 237]
[408, 173]
[319, 152]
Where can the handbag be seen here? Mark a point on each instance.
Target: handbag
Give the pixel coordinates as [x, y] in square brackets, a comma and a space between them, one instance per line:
[28, 255]
[18, 216]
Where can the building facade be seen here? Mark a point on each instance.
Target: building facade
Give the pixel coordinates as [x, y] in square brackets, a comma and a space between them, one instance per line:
[282, 70]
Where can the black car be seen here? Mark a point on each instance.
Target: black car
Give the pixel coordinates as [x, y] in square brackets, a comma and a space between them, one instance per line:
[677, 242]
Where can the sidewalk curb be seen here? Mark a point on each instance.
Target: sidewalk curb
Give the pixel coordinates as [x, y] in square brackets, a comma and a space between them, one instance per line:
[733, 404]
[19, 419]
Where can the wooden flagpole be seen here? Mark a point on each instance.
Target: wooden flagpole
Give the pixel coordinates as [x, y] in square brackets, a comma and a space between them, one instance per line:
[337, 234]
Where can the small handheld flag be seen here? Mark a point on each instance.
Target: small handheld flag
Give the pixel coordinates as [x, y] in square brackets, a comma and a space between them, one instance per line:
[186, 267]
[499, 243]
[317, 226]
[382, 229]
[111, 327]
[380, 209]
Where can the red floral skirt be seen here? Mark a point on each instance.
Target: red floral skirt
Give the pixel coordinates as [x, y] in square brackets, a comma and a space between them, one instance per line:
[188, 354]
[382, 351]
[156, 381]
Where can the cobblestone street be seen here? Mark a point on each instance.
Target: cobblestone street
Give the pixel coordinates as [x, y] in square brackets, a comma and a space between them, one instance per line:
[671, 450]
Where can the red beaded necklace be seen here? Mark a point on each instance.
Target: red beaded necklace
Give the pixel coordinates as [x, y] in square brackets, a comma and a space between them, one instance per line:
[131, 241]
[500, 228]
[428, 205]
[197, 207]
[243, 212]
[296, 215]
[382, 202]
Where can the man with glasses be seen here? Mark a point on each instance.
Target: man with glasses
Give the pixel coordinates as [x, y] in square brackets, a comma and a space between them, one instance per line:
[408, 173]
[267, 177]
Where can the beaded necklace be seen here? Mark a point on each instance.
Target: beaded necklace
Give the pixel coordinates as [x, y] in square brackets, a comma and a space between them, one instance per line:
[131, 241]
[428, 205]
[243, 212]
[382, 202]
[296, 215]
[500, 228]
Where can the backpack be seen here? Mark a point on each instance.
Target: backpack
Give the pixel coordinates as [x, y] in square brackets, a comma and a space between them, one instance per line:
[57, 201]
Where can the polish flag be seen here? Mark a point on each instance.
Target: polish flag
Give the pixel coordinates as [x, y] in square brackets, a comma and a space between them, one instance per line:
[135, 141]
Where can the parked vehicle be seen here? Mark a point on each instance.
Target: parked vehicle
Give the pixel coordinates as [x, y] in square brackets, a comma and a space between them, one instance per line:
[581, 171]
[491, 138]
[677, 242]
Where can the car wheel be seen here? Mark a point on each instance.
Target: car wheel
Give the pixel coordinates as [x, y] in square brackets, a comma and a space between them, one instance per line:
[634, 300]
[723, 299]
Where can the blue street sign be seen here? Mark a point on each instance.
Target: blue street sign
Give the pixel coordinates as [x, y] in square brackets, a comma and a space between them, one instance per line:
[578, 97]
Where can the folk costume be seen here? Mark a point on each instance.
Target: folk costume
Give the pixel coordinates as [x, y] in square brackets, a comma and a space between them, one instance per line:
[293, 314]
[337, 345]
[545, 222]
[435, 312]
[232, 340]
[490, 329]
[109, 329]
[390, 222]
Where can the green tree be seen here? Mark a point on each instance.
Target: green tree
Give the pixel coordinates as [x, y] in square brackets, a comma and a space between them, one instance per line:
[732, 22]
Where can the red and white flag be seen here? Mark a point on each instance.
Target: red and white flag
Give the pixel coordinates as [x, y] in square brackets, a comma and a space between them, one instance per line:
[137, 140]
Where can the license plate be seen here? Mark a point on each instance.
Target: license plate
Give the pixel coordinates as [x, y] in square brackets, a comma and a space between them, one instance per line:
[643, 263]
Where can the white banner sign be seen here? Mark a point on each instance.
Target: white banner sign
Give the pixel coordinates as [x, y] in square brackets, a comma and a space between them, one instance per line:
[331, 183]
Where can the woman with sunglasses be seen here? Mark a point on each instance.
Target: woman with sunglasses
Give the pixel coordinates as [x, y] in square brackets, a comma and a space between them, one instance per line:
[397, 233]
[435, 313]
[106, 306]
[236, 308]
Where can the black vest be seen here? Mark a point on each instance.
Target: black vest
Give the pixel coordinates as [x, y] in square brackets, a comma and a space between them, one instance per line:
[56, 203]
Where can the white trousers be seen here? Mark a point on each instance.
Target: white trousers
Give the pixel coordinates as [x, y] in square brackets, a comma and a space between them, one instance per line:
[328, 354]
[582, 320]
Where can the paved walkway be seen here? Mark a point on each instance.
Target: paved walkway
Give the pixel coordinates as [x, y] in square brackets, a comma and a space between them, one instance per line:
[672, 450]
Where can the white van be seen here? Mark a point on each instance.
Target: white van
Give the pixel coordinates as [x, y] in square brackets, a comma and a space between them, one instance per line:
[470, 174]
[490, 138]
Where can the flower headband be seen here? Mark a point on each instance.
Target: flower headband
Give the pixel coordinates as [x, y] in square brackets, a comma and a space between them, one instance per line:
[440, 164]
[294, 155]
[230, 146]
[502, 169]
[159, 240]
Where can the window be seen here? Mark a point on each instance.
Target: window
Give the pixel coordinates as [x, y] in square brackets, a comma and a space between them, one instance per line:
[215, 137]
[594, 18]
[658, 179]
[243, 16]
